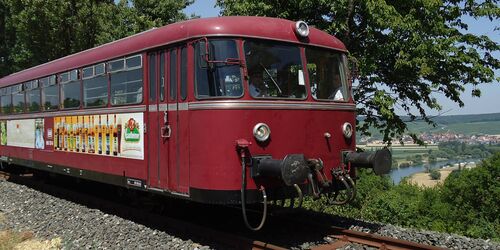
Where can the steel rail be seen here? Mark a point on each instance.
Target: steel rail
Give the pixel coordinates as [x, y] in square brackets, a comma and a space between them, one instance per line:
[345, 236]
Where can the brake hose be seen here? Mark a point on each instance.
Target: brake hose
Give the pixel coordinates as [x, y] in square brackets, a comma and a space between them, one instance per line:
[243, 199]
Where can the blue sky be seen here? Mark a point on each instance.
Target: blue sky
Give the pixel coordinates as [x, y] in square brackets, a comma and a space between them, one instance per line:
[489, 102]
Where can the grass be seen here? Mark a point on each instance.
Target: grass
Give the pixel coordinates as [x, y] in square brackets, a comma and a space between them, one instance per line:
[25, 240]
[9, 240]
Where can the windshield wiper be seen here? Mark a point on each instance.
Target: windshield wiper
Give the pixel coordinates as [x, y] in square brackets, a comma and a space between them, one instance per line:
[272, 79]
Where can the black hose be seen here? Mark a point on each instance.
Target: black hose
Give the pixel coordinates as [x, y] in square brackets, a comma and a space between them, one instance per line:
[353, 185]
[301, 196]
[243, 199]
[348, 189]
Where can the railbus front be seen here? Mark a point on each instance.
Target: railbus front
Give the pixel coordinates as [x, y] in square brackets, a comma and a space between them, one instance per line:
[230, 110]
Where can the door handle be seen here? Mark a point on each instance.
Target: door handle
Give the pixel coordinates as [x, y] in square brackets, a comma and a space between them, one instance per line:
[166, 131]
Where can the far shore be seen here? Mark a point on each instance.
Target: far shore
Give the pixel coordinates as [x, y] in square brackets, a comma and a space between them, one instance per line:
[424, 179]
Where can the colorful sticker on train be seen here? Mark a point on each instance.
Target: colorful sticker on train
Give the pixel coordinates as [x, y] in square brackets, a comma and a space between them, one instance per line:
[116, 135]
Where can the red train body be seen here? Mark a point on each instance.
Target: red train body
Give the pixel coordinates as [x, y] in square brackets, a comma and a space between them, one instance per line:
[177, 109]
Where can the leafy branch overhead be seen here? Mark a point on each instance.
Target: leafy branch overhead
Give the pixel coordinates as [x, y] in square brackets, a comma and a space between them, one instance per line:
[406, 51]
[33, 32]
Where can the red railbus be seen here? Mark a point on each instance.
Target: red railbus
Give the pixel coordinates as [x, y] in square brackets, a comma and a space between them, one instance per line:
[228, 110]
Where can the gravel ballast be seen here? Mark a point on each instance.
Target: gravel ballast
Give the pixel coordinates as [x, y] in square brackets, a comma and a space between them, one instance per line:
[79, 227]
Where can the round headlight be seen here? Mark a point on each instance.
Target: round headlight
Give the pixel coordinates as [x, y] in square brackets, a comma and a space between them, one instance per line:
[261, 132]
[347, 130]
[302, 29]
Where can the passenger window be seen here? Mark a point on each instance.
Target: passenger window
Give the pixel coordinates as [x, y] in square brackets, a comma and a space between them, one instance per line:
[162, 76]
[33, 96]
[219, 78]
[173, 75]
[95, 86]
[18, 98]
[50, 93]
[126, 85]
[184, 73]
[152, 77]
[6, 101]
[70, 90]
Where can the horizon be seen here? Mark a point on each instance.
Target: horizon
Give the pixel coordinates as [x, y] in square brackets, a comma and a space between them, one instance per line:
[488, 103]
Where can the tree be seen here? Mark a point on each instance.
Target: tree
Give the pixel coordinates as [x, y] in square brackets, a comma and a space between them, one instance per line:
[33, 32]
[405, 50]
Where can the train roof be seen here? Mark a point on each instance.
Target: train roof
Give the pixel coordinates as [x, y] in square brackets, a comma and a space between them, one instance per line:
[236, 26]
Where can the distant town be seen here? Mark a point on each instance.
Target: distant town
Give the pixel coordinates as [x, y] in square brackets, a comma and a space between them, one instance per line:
[436, 138]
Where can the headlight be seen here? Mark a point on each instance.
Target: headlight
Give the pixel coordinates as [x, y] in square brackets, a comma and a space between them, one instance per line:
[302, 29]
[261, 132]
[347, 130]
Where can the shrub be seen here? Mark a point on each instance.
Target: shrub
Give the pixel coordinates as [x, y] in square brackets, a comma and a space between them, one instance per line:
[435, 174]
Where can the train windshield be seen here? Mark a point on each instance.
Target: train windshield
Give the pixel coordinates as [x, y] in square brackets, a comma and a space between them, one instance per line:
[274, 70]
[217, 76]
[327, 74]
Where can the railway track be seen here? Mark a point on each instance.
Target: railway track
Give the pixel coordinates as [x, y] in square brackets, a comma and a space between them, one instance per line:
[346, 236]
[208, 234]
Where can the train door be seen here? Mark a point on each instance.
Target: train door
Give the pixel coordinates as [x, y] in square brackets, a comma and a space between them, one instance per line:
[178, 166]
[157, 130]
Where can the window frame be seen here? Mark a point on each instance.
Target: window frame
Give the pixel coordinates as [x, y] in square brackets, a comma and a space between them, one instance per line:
[302, 61]
[4, 92]
[71, 80]
[141, 66]
[93, 76]
[343, 76]
[238, 43]
[29, 87]
[18, 89]
[50, 82]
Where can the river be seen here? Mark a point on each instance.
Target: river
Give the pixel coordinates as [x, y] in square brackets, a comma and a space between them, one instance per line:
[398, 174]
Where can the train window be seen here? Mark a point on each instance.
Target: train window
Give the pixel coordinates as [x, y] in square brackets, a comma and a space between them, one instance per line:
[274, 70]
[173, 75]
[134, 62]
[327, 74]
[99, 69]
[116, 65]
[88, 72]
[219, 79]
[126, 85]
[152, 77]
[162, 76]
[71, 91]
[6, 101]
[50, 93]
[183, 73]
[33, 96]
[18, 99]
[95, 91]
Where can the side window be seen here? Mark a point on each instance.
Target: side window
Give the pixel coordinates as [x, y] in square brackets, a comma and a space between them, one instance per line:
[33, 96]
[6, 101]
[184, 73]
[18, 98]
[173, 75]
[95, 86]
[221, 76]
[152, 77]
[126, 80]
[50, 93]
[70, 90]
[162, 76]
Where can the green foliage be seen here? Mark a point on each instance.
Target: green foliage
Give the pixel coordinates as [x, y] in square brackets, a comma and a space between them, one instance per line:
[33, 32]
[467, 202]
[435, 174]
[405, 50]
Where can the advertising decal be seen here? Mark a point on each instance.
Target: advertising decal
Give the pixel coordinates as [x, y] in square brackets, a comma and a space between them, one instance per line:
[18, 135]
[119, 135]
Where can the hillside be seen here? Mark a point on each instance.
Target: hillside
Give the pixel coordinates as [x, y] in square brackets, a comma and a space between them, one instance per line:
[460, 124]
